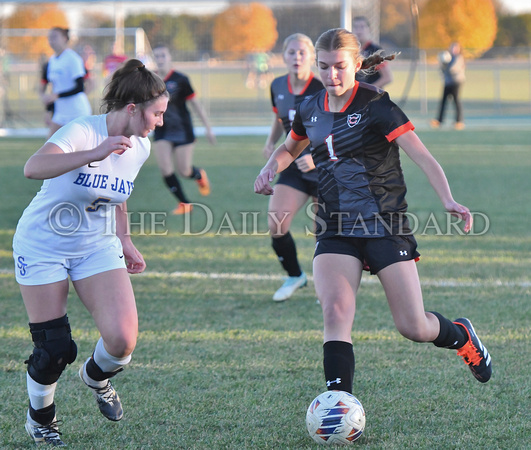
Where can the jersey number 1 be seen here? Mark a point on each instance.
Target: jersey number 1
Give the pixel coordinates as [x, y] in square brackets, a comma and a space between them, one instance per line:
[330, 145]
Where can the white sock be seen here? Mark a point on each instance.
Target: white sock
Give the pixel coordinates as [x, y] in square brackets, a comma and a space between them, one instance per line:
[40, 395]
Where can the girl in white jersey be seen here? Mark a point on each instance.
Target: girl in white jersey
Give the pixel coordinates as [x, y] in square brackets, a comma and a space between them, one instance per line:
[77, 227]
[355, 132]
[65, 72]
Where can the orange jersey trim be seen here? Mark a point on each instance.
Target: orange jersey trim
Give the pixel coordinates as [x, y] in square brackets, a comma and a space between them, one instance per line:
[305, 86]
[296, 137]
[190, 97]
[168, 75]
[397, 132]
[350, 100]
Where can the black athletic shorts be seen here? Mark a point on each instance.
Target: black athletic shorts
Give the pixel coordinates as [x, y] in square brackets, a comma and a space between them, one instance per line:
[376, 253]
[293, 177]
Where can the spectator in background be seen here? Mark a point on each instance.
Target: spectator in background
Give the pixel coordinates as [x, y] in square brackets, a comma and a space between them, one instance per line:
[65, 72]
[452, 66]
[113, 61]
[382, 75]
[89, 59]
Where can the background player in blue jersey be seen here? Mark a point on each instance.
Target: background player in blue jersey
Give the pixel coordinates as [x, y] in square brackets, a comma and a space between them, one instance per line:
[355, 132]
[298, 182]
[382, 74]
[77, 227]
[175, 140]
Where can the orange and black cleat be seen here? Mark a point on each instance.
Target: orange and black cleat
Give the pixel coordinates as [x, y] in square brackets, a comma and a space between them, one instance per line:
[203, 183]
[182, 208]
[474, 353]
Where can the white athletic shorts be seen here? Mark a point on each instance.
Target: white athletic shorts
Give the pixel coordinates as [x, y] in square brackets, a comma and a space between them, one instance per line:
[32, 271]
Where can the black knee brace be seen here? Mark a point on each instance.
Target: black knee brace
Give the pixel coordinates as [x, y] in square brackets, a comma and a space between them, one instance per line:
[94, 371]
[53, 349]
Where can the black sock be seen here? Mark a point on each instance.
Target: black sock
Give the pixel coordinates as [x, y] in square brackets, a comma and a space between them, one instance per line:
[286, 251]
[450, 335]
[196, 174]
[43, 416]
[175, 188]
[338, 365]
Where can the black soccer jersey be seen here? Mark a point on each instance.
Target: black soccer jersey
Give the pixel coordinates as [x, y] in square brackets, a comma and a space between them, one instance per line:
[361, 185]
[178, 127]
[367, 50]
[285, 103]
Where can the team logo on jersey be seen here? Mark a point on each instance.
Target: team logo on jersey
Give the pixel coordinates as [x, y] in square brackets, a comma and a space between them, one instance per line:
[353, 120]
[171, 86]
[280, 96]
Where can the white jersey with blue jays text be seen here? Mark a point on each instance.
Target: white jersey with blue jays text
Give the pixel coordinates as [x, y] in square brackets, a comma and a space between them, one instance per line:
[73, 214]
[63, 71]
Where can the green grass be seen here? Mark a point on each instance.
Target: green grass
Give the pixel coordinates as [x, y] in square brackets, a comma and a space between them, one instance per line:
[219, 365]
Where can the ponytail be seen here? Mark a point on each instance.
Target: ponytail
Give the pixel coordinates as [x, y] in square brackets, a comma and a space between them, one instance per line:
[132, 83]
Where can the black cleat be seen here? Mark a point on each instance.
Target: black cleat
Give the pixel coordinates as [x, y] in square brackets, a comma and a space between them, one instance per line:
[474, 354]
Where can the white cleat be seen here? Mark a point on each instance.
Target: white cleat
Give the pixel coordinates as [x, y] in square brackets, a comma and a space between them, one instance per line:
[289, 287]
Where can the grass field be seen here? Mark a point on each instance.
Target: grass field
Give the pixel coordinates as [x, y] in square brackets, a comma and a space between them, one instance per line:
[219, 365]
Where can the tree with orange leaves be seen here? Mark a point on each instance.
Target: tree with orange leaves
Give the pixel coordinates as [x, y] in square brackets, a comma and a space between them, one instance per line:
[472, 23]
[34, 16]
[244, 28]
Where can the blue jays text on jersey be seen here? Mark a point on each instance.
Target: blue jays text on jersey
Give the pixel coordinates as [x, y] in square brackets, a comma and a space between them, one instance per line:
[101, 181]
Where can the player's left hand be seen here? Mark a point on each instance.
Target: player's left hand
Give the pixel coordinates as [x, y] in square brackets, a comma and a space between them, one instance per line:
[305, 163]
[133, 259]
[463, 213]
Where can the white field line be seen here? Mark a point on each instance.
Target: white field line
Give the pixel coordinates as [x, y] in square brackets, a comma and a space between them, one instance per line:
[366, 279]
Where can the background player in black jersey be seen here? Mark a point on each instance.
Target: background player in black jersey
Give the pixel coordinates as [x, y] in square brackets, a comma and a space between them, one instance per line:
[175, 140]
[382, 76]
[298, 182]
[355, 132]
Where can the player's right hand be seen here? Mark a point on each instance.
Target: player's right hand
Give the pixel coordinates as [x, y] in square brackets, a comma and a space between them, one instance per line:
[262, 184]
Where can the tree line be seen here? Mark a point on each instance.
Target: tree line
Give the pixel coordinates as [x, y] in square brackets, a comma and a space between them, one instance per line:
[245, 28]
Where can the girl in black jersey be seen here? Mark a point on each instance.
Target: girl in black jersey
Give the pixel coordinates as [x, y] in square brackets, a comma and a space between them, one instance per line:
[298, 182]
[382, 76]
[174, 142]
[355, 132]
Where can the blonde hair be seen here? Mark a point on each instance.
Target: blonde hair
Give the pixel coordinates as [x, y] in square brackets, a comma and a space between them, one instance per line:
[341, 39]
[300, 38]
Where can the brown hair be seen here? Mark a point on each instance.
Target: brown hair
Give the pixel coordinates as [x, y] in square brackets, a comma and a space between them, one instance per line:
[133, 83]
[64, 31]
[341, 39]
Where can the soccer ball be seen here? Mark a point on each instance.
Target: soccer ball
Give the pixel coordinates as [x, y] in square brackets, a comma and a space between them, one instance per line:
[444, 57]
[335, 418]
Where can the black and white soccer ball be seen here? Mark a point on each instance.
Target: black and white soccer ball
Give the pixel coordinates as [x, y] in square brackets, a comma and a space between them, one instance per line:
[335, 418]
